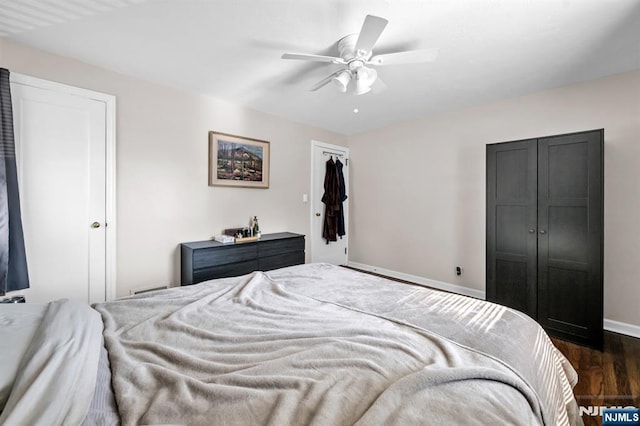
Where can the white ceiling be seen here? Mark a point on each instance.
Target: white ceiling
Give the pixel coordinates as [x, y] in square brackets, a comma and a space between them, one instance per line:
[489, 49]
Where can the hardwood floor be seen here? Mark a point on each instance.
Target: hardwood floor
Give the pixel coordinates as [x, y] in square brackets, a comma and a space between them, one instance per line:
[607, 378]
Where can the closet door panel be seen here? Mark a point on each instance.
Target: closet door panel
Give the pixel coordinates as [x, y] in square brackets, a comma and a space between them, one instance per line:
[566, 299]
[511, 172]
[511, 234]
[511, 223]
[512, 278]
[570, 236]
[568, 233]
[568, 168]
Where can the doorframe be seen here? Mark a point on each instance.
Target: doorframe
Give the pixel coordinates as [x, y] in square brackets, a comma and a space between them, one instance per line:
[314, 233]
[110, 164]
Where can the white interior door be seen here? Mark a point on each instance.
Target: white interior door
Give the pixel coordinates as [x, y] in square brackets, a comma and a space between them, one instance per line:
[336, 251]
[61, 153]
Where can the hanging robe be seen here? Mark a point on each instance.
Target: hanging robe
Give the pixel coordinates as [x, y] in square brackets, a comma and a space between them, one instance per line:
[331, 200]
[342, 196]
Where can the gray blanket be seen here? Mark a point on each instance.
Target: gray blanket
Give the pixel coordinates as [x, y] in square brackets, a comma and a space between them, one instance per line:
[57, 376]
[317, 344]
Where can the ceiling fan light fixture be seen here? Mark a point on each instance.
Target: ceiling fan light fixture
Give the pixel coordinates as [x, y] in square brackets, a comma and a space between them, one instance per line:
[361, 89]
[364, 79]
[342, 80]
[356, 56]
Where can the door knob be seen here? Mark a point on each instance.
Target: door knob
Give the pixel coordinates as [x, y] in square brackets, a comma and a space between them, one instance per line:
[95, 225]
[542, 231]
[531, 231]
[318, 214]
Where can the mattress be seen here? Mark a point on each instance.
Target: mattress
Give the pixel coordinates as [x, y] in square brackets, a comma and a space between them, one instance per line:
[309, 344]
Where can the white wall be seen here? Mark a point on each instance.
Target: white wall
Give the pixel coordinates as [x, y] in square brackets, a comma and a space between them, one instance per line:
[418, 203]
[162, 143]
[418, 189]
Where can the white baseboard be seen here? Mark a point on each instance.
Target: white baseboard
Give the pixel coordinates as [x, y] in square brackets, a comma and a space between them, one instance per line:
[453, 288]
[140, 290]
[622, 328]
[609, 325]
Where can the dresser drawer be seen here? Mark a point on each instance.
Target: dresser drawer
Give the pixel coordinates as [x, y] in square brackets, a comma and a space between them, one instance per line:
[280, 261]
[275, 247]
[225, 271]
[223, 255]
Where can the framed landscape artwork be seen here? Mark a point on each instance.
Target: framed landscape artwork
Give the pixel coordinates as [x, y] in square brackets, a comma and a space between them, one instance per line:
[238, 161]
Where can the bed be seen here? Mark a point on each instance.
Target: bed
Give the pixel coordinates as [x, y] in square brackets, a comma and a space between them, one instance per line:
[310, 344]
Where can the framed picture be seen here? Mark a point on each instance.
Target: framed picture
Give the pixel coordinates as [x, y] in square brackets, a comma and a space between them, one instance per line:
[238, 161]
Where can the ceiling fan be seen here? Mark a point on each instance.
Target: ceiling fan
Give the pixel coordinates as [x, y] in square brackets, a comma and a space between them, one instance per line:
[356, 56]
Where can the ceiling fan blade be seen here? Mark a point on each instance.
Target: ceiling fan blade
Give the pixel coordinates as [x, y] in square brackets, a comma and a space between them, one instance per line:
[408, 57]
[370, 32]
[325, 81]
[316, 58]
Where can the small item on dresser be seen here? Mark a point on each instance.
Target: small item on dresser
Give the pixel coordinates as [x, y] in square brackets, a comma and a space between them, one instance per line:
[232, 232]
[246, 239]
[224, 239]
[256, 227]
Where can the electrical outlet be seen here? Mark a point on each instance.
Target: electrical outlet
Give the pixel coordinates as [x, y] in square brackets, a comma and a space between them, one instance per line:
[458, 270]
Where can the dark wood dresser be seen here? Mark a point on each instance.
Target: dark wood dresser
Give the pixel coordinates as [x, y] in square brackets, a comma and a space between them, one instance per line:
[206, 260]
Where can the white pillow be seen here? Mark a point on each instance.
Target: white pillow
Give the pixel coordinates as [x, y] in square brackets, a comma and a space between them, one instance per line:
[18, 323]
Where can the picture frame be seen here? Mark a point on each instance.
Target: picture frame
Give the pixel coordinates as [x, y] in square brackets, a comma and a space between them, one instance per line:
[238, 161]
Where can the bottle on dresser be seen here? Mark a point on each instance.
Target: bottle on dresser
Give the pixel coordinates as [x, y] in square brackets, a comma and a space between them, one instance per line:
[256, 227]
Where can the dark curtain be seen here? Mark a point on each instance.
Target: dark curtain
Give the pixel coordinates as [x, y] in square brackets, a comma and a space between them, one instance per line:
[13, 261]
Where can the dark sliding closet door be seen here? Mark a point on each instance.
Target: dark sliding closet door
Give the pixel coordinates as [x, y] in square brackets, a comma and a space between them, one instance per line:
[545, 232]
